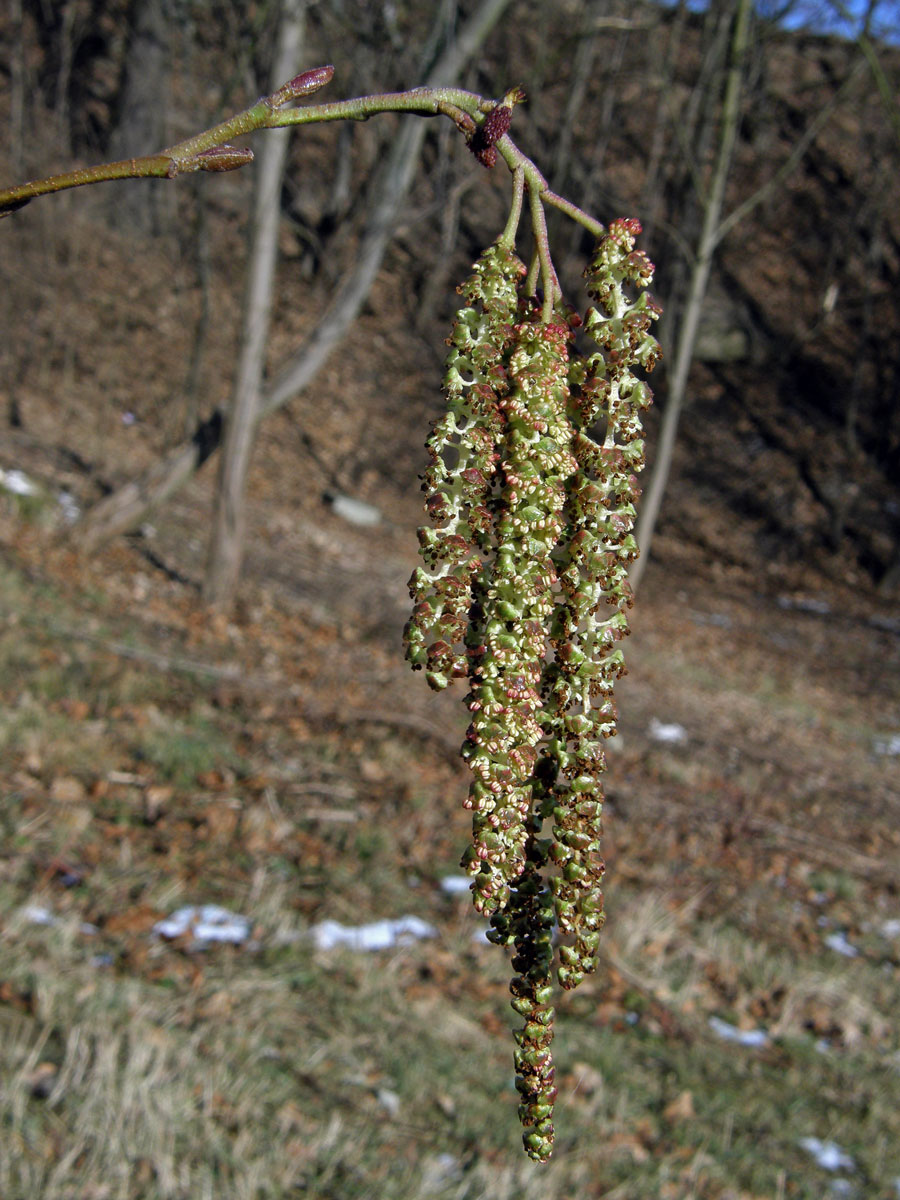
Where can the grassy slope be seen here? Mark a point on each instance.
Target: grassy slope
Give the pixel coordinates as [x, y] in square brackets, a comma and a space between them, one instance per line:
[151, 761]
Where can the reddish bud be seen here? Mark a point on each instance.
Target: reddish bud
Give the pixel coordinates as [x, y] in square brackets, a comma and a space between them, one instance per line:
[303, 84]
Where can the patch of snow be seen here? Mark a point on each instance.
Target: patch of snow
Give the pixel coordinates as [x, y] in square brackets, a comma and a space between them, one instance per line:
[357, 512]
[70, 507]
[438, 1172]
[810, 604]
[17, 482]
[207, 923]
[662, 731]
[389, 1101]
[37, 914]
[454, 885]
[828, 1155]
[744, 1037]
[378, 935]
[891, 928]
[839, 944]
[888, 747]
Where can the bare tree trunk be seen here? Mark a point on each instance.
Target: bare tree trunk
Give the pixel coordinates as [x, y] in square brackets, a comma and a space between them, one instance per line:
[582, 74]
[64, 76]
[16, 92]
[387, 194]
[687, 333]
[652, 192]
[118, 511]
[141, 123]
[226, 542]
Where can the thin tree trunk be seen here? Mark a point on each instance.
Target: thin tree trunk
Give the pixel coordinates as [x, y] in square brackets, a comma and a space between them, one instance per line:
[687, 332]
[227, 537]
[64, 75]
[16, 91]
[118, 512]
[580, 80]
[387, 195]
[652, 191]
[141, 122]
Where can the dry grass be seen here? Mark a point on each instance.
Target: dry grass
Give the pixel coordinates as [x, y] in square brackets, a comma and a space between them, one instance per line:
[131, 1068]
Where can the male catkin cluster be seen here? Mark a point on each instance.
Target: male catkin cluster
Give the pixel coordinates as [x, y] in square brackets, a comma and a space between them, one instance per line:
[524, 591]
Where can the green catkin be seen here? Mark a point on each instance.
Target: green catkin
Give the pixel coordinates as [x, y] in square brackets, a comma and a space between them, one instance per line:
[593, 559]
[459, 479]
[514, 602]
[531, 491]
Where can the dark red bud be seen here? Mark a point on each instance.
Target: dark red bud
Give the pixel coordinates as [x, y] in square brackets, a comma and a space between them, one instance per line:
[303, 84]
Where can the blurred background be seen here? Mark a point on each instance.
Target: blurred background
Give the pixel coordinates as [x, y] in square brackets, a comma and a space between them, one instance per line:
[169, 741]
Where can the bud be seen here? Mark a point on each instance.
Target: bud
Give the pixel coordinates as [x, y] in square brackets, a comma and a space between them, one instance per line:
[223, 158]
[303, 84]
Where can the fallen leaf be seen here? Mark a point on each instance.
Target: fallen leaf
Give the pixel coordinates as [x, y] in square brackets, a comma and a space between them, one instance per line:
[66, 789]
[680, 1109]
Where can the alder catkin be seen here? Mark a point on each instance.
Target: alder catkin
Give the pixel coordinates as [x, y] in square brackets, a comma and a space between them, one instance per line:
[531, 491]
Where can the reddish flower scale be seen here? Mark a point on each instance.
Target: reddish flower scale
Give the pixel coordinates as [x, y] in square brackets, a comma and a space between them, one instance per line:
[524, 591]
[491, 130]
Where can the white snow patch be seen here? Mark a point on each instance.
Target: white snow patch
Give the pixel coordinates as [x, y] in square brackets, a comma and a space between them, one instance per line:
[828, 1155]
[891, 928]
[17, 482]
[378, 935]
[357, 512]
[888, 747]
[389, 1101]
[207, 923]
[744, 1037]
[670, 732]
[839, 944]
[71, 510]
[37, 914]
[454, 885]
